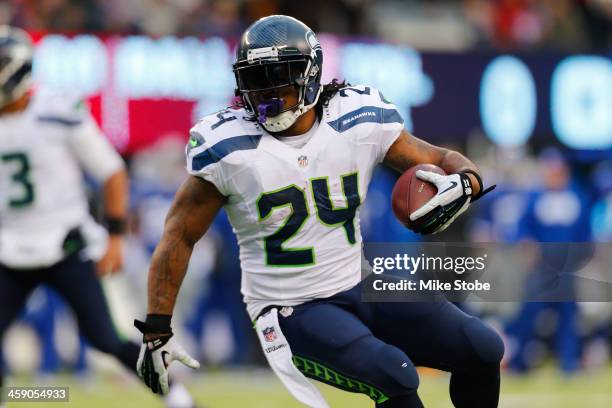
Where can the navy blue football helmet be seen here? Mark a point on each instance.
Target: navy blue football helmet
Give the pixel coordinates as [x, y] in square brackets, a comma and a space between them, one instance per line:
[276, 52]
[16, 52]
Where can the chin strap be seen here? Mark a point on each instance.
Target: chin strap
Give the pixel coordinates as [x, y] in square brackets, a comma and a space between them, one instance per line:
[281, 122]
[285, 120]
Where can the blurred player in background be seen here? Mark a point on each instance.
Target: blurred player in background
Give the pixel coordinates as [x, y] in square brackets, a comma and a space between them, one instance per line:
[558, 211]
[291, 168]
[47, 235]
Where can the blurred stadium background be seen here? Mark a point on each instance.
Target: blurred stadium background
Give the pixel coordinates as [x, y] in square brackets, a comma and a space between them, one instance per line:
[524, 87]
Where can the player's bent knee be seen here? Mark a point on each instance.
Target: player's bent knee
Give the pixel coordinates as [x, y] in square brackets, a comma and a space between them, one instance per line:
[487, 344]
[398, 372]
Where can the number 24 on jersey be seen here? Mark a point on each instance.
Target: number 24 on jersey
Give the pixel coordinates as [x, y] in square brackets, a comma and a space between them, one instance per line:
[295, 198]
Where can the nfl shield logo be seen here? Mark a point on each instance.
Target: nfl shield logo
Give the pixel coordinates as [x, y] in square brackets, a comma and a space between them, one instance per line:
[269, 334]
[302, 161]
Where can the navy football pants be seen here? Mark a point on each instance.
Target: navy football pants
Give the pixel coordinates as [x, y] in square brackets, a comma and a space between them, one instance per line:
[76, 281]
[373, 348]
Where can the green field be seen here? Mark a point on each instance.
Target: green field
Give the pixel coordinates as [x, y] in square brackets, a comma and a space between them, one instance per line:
[545, 388]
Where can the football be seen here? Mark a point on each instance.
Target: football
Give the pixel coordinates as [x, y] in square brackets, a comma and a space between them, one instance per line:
[410, 193]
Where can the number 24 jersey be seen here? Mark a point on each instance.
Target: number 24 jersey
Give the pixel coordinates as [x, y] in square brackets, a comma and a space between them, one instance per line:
[295, 211]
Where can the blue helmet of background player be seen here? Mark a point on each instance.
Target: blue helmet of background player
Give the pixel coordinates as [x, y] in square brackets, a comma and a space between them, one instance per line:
[16, 52]
[276, 52]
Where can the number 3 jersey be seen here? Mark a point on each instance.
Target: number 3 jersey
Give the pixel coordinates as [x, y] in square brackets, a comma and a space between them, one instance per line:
[42, 191]
[295, 211]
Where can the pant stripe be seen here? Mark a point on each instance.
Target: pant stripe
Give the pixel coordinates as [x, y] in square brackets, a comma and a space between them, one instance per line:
[320, 372]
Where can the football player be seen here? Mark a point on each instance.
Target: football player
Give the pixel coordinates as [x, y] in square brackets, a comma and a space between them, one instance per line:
[291, 167]
[47, 235]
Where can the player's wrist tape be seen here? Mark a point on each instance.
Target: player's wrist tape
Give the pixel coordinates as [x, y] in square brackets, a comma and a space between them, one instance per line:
[155, 324]
[482, 191]
[115, 225]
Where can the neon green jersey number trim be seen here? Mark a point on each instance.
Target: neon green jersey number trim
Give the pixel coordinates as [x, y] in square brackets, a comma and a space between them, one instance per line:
[21, 177]
[331, 216]
[295, 198]
[276, 255]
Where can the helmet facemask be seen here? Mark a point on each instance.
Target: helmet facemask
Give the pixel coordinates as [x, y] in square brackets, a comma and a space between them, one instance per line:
[262, 84]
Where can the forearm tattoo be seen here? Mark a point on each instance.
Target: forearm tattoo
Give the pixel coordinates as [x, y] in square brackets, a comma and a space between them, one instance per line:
[188, 218]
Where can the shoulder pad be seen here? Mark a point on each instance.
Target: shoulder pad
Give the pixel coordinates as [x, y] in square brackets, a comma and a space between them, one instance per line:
[357, 104]
[358, 95]
[217, 135]
[224, 124]
[62, 108]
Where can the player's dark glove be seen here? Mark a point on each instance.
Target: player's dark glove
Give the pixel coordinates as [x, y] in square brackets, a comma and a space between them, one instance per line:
[158, 351]
[453, 198]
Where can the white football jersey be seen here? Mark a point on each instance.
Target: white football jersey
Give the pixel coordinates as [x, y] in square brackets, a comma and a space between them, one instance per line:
[42, 192]
[295, 211]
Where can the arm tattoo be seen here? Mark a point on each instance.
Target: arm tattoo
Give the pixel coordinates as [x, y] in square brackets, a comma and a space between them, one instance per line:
[408, 151]
[396, 159]
[188, 219]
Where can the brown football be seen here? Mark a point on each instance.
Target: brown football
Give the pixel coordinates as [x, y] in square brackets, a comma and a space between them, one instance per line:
[410, 192]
